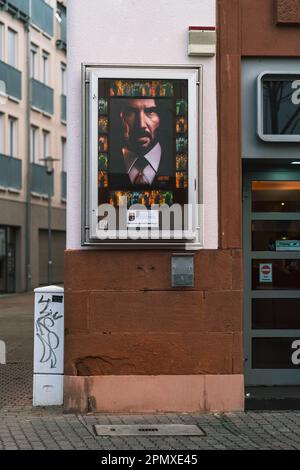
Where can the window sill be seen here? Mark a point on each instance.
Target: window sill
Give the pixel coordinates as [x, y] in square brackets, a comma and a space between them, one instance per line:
[37, 110]
[39, 30]
[15, 100]
[37, 195]
[14, 191]
[48, 36]
[5, 96]
[40, 111]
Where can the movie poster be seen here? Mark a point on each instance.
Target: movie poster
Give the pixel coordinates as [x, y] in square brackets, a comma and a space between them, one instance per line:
[143, 143]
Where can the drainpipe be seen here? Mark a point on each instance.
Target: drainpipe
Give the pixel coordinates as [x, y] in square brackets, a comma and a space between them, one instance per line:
[28, 162]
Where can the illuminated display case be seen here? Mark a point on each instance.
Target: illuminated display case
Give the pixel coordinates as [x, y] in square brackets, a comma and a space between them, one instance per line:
[142, 159]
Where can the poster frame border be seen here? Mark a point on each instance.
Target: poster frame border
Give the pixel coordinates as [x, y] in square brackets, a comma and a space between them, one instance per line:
[87, 70]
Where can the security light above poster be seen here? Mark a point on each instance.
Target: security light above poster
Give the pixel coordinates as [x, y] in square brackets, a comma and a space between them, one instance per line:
[141, 155]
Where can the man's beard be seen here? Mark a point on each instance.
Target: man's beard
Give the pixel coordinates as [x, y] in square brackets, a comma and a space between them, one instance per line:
[144, 145]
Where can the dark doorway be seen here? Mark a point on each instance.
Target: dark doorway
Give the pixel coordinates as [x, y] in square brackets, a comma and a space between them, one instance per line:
[7, 259]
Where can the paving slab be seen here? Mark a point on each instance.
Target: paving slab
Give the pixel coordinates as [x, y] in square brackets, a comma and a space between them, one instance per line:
[24, 427]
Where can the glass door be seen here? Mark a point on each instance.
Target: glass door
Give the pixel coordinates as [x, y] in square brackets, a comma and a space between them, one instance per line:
[271, 242]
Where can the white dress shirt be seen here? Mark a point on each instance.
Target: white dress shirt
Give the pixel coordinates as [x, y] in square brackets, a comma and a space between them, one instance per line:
[149, 171]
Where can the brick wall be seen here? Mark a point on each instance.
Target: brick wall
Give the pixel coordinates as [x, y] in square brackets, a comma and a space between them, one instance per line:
[123, 318]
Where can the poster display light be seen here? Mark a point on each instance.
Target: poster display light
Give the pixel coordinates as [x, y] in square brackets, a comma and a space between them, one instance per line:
[141, 159]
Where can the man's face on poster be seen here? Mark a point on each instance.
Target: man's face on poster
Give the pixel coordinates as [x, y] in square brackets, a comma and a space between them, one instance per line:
[140, 122]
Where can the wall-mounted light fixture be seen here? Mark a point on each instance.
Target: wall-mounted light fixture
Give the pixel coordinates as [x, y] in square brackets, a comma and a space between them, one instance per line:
[202, 41]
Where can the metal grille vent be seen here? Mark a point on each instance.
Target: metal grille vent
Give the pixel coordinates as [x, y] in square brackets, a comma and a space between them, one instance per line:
[158, 430]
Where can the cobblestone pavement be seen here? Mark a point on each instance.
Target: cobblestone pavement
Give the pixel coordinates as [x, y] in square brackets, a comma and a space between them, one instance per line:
[16, 326]
[22, 427]
[16, 330]
[25, 428]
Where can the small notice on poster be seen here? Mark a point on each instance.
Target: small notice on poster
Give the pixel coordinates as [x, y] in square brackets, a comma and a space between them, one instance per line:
[143, 219]
[265, 272]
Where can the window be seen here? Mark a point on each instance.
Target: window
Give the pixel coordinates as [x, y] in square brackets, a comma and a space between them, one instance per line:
[279, 107]
[34, 144]
[63, 154]
[45, 68]
[63, 79]
[1, 41]
[1, 133]
[34, 61]
[61, 21]
[46, 144]
[12, 48]
[12, 129]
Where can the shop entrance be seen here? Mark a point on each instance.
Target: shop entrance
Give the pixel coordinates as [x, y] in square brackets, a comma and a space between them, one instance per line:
[7, 259]
[271, 242]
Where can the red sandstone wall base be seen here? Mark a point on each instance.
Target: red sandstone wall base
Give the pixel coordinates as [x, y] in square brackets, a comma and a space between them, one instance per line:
[150, 394]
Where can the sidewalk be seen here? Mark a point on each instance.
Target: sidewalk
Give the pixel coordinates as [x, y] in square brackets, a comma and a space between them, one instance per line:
[22, 427]
[16, 329]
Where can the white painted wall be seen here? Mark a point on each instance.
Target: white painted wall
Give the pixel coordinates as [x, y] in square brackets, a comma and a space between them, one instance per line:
[141, 32]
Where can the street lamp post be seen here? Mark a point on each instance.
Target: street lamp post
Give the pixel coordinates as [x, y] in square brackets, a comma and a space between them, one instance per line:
[49, 170]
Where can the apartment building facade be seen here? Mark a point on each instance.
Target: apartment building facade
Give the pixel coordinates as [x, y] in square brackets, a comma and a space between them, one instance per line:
[32, 127]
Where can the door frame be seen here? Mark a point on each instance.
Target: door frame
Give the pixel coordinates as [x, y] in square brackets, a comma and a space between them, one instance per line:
[10, 279]
[265, 376]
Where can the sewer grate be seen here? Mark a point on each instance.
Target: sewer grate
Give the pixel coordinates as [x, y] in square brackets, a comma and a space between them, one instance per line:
[145, 430]
[16, 384]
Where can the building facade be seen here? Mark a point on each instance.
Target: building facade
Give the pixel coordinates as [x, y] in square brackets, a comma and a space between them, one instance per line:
[32, 128]
[259, 182]
[182, 324]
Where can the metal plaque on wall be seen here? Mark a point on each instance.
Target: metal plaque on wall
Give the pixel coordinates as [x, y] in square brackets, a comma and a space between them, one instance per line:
[183, 271]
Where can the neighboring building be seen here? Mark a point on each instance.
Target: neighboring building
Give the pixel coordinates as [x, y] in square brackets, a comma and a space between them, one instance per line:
[259, 155]
[32, 126]
[134, 341]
